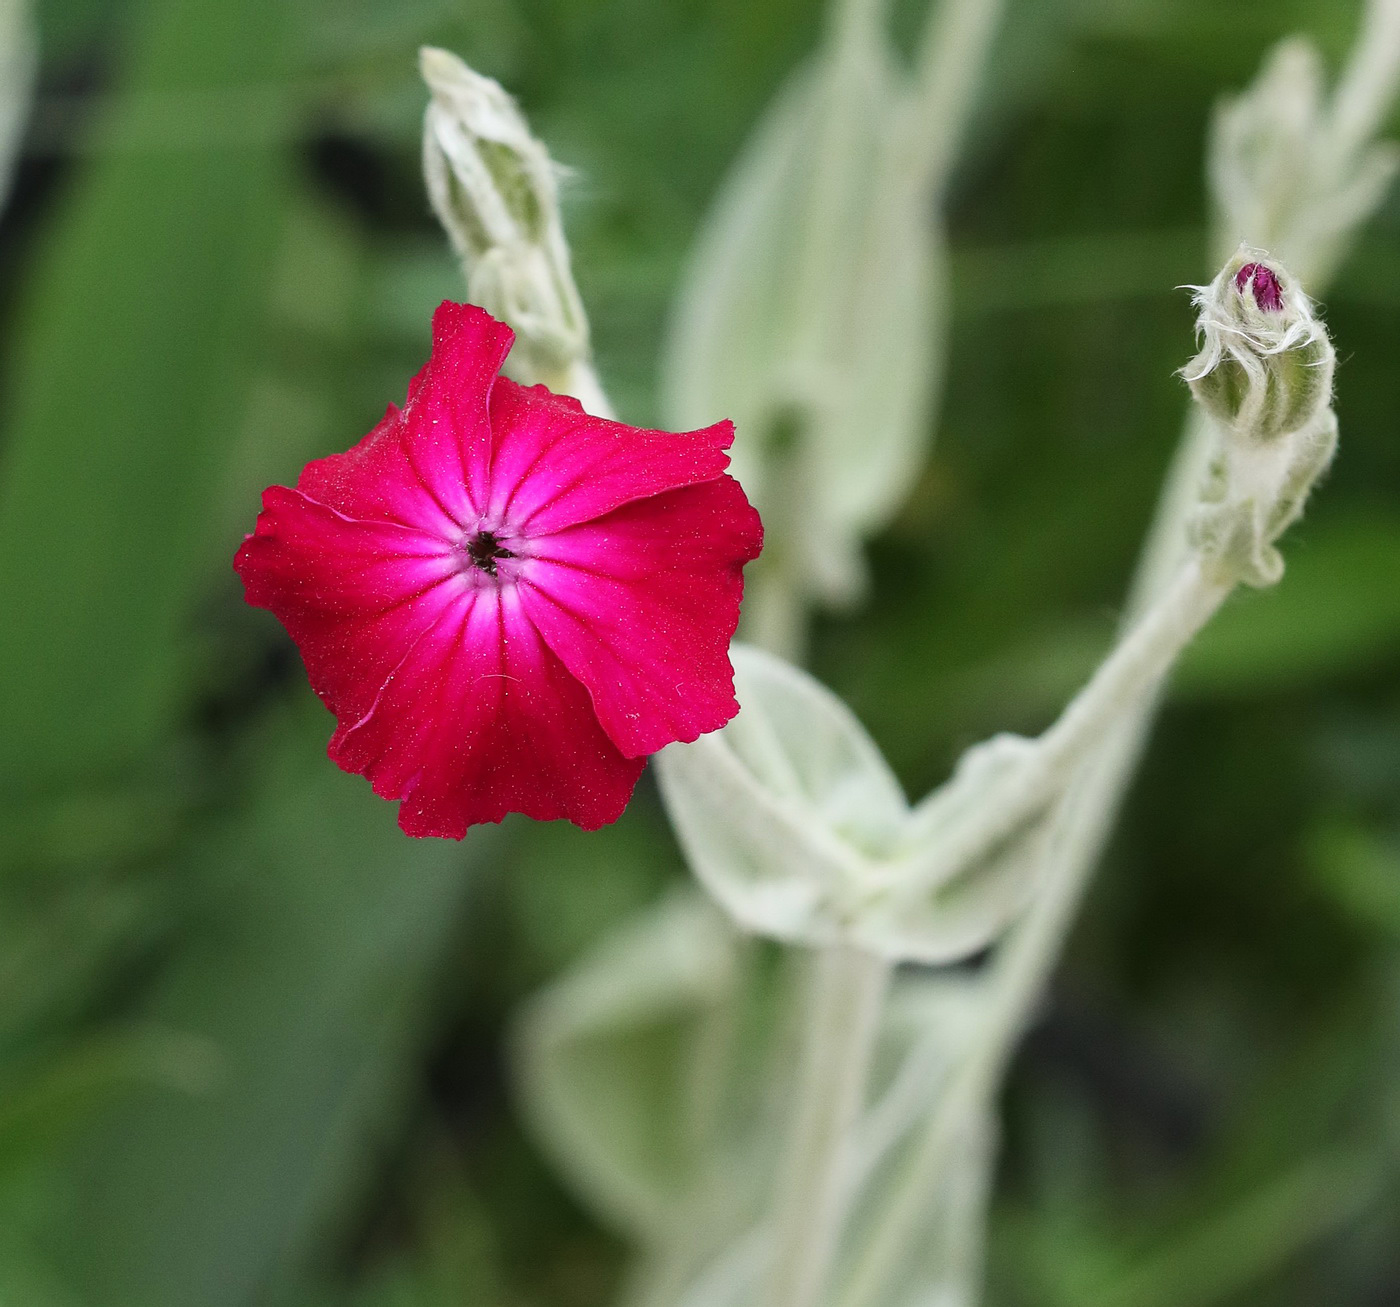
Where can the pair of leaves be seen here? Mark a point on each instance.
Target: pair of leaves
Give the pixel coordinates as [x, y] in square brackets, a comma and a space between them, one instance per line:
[792, 819]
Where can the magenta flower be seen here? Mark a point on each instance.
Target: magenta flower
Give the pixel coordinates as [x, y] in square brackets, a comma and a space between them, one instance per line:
[507, 603]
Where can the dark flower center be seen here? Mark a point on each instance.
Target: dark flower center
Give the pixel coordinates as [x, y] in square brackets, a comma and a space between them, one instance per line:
[484, 549]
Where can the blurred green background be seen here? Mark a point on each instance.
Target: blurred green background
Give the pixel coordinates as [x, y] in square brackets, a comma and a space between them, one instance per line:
[252, 1039]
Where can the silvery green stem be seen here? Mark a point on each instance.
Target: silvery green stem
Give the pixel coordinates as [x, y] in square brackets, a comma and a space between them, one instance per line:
[580, 379]
[1166, 544]
[1134, 670]
[1367, 87]
[846, 998]
[775, 613]
[1079, 825]
[845, 1002]
[854, 31]
[844, 995]
[1023, 963]
[1018, 977]
[1085, 815]
[1020, 970]
[951, 59]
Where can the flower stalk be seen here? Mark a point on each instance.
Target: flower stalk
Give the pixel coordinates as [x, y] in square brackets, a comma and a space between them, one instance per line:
[1024, 789]
[952, 57]
[844, 999]
[1264, 377]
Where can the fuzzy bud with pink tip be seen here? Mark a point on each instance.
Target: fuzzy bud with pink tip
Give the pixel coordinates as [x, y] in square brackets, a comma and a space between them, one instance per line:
[1264, 373]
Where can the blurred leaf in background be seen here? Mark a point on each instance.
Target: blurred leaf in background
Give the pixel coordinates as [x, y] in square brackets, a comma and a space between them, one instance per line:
[217, 1075]
[135, 341]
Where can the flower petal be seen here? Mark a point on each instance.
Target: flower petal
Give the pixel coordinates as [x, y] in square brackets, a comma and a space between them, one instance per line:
[481, 719]
[555, 466]
[640, 605]
[355, 595]
[426, 465]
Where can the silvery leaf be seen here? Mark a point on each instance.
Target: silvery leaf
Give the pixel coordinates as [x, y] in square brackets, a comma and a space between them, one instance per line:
[791, 818]
[781, 812]
[829, 380]
[588, 1050]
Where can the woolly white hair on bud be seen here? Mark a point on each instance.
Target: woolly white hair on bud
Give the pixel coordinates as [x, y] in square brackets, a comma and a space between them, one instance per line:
[1265, 363]
[1264, 374]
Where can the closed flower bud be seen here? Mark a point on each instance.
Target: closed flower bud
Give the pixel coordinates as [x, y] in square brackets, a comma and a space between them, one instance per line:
[494, 188]
[1264, 373]
[1265, 365]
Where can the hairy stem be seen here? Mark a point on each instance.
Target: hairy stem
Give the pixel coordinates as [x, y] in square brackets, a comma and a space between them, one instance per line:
[842, 1018]
[853, 34]
[775, 612]
[1128, 678]
[581, 381]
[951, 60]
[1367, 86]
[1019, 972]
